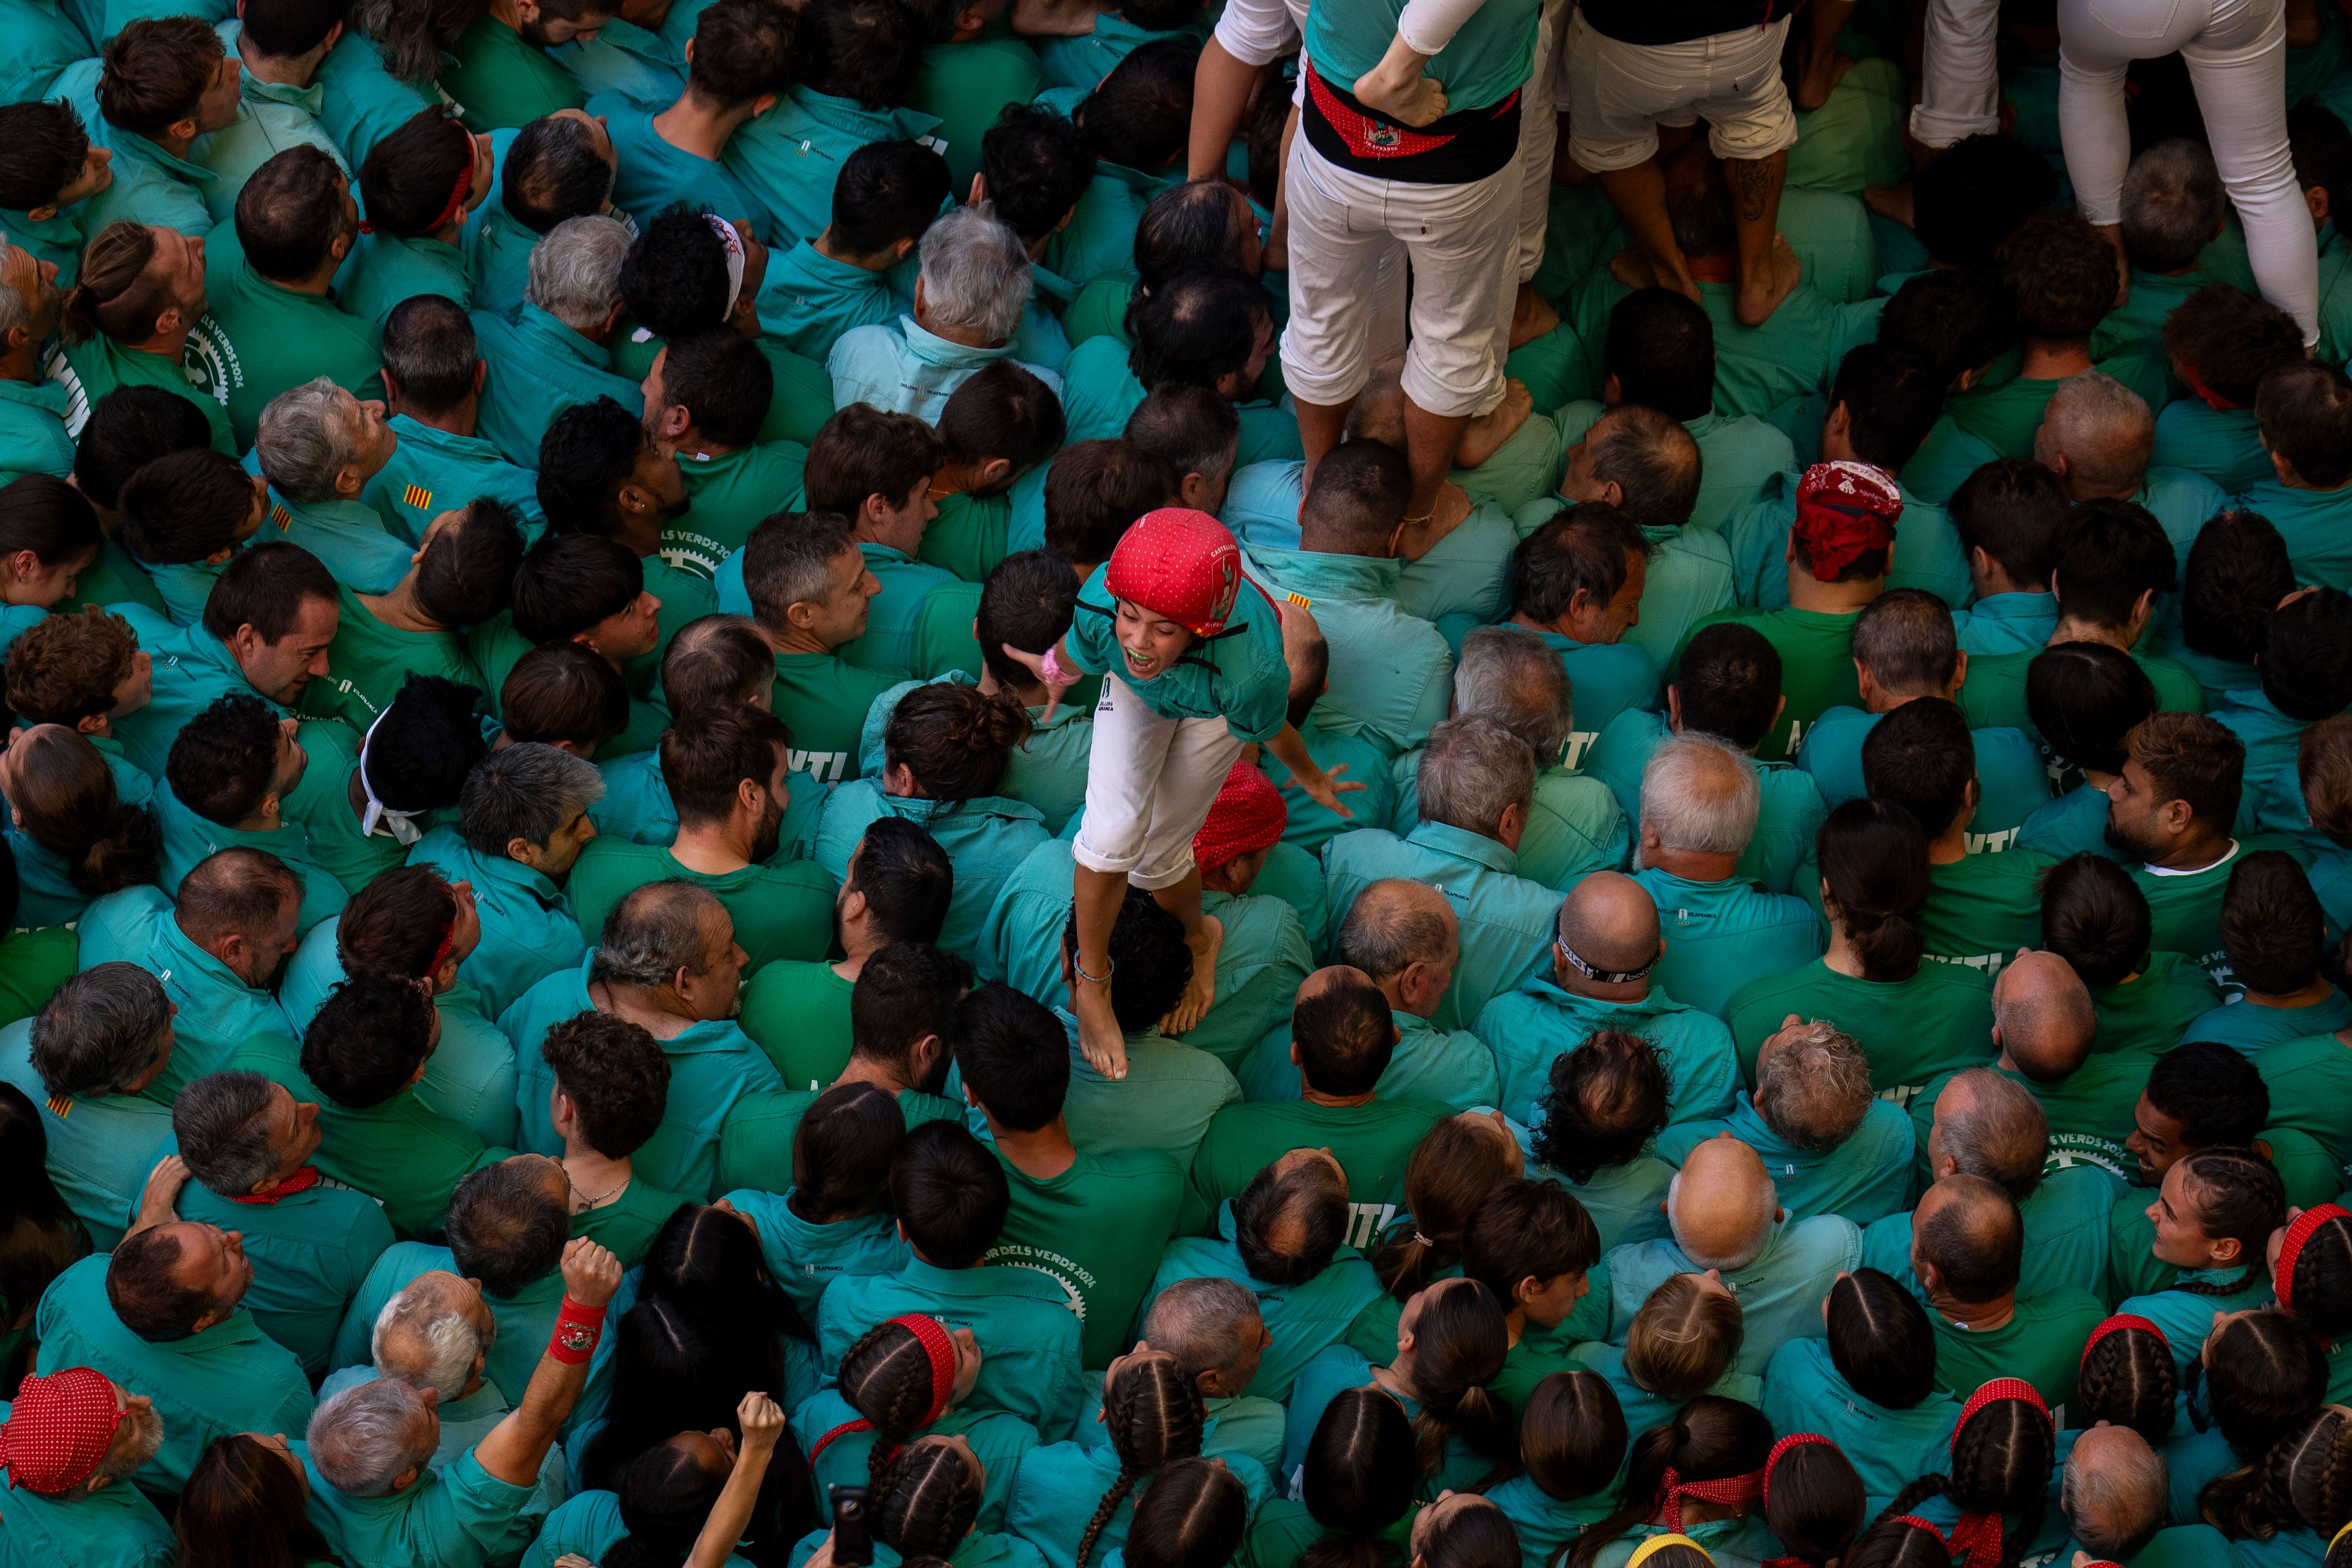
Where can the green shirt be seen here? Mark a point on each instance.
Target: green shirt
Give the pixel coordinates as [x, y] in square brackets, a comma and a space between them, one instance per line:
[1890, 1448]
[2150, 1013]
[1867, 1177]
[1981, 908]
[100, 1149]
[501, 81]
[406, 1156]
[2041, 1343]
[1000, 1443]
[1097, 1231]
[33, 438]
[1165, 1103]
[797, 1010]
[321, 803]
[264, 337]
[1451, 1066]
[755, 1145]
[1239, 678]
[1023, 1318]
[456, 1514]
[90, 369]
[1720, 935]
[1372, 1141]
[2309, 1079]
[433, 471]
[712, 1064]
[218, 1011]
[228, 1378]
[1391, 675]
[115, 1528]
[2012, 781]
[369, 661]
[1789, 803]
[985, 839]
[525, 1320]
[729, 494]
[1506, 920]
[1534, 1025]
[824, 698]
[1302, 1317]
[1817, 673]
[1994, 693]
[780, 910]
[2186, 908]
[33, 964]
[1937, 1021]
[310, 1252]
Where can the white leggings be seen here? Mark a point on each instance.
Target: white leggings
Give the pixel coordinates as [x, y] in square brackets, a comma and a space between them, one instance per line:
[2236, 53]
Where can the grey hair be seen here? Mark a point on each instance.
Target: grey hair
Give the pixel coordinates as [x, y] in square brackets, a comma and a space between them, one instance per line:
[421, 1341]
[1507, 673]
[1386, 931]
[2115, 1508]
[16, 311]
[2102, 428]
[2172, 203]
[359, 1440]
[1993, 1129]
[1813, 1088]
[308, 435]
[222, 1121]
[99, 1030]
[1205, 1323]
[653, 932]
[527, 791]
[1473, 770]
[1701, 795]
[1726, 1261]
[575, 271]
[976, 275]
[137, 1436]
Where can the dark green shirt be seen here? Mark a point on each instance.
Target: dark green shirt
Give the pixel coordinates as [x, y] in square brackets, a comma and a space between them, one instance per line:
[1372, 1141]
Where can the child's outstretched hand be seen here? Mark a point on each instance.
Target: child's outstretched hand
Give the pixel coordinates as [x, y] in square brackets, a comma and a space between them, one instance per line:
[1326, 788]
[1037, 664]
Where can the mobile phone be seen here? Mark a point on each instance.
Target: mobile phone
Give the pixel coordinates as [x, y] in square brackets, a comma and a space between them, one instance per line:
[853, 1540]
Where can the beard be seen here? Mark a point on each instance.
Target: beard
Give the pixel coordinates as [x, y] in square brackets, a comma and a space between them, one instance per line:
[771, 834]
[2122, 840]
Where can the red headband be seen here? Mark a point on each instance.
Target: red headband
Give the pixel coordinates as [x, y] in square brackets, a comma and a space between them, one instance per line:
[940, 1347]
[1993, 1391]
[2213, 399]
[1793, 1440]
[2119, 1323]
[1977, 1538]
[458, 192]
[1730, 1490]
[2298, 1231]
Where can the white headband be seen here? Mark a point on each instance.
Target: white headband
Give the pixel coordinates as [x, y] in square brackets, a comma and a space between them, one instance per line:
[734, 244]
[399, 826]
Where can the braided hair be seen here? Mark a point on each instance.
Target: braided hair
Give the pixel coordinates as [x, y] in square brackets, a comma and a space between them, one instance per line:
[885, 1377]
[1359, 1477]
[2303, 1482]
[930, 1498]
[2237, 1194]
[2317, 1287]
[2263, 1374]
[1710, 1439]
[1999, 1466]
[1153, 1414]
[1453, 1169]
[1460, 1342]
[1190, 1516]
[2127, 1379]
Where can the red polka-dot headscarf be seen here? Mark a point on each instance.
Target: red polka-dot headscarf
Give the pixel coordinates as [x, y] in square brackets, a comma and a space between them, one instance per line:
[1179, 564]
[1248, 817]
[59, 1429]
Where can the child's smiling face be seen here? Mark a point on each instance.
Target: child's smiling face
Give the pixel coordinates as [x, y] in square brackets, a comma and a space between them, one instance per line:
[1149, 644]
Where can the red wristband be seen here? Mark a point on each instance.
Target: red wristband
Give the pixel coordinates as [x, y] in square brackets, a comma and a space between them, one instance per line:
[577, 1330]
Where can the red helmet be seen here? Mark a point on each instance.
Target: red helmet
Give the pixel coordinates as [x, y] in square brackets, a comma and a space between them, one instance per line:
[1180, 564]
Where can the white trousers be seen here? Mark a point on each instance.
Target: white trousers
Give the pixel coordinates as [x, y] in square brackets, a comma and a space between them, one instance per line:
[1618, 94]
[1149, 785]
[2236, 53]
[1960, 95]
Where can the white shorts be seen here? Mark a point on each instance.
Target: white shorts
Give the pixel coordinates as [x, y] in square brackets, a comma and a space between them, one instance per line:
[1618, 94]
[1149, 785]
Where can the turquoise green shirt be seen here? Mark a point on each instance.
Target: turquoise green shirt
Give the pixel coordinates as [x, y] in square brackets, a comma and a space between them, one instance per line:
[347, 536]
[271, 117]
[2012, 781]
[386, 269]
[1506, 920]
[755, 1146]
[497, 248]
[218, 1011]
[2222, 444]
[1804, 1391]
[1060, 1485]
[364, 102]
[1303, 1319]
[501, 80]
[985, 839]
[1027, 1330]
[712, 1064]
[100, 1149]
[1000, 1442]
[1451, 1067]
[263, 337]
[2186, 1317]
[2072, 824]
[538, 367]
[310, 1252]
[1546, 1524]
[2309, 521]
[1239, 678]
[1788, 811]
[895, 638]
[1740, 457]
[1531, 1027]
[1642, 1409]
[456, 1514]
[1927, 552]
[1938, 1021]
[1575, 825]
[189, 838]
[1165, 1103]
[33, 438]
[528, 931]
[525, 1320]
[587, 1523]
[783, 909]
[788, 158]
[1780, 1291]
[433, 471]
[1720, 935]
[2270, 740]
[2006, 623]
[805, 1256]
[228, 1378]
[115, 1528]
[44, 41]
[1342, 1367]
[151, 185]
[193, 669]
[1864, 1178]
[653, 172]
[2248, 1027]
[1392, 676]
[809, 299]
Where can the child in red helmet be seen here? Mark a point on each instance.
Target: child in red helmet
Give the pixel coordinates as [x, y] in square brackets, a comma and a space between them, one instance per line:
[1191, 655]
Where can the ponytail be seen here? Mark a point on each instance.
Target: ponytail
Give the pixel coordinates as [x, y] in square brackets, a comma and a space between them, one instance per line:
[1358, 1479]
[1153, 1414]
[1453, 1169]
[1874, 859]
[2304, 1482]
[1711, 1438]
[1461, 1340]
[66, 795]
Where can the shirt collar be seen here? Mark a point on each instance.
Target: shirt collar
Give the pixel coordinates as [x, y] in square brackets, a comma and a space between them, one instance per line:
[2200, 872]
[1463, 844]
[932, 349]
[308, 99]
[139, 149]
[869, 124]
[1355, 576]
[546, 329]
[43, 394]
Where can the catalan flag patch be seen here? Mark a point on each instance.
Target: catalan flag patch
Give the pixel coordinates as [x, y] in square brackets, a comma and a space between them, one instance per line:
[1301, 600]
[416, 496]
[60, 1106]
[281, 517]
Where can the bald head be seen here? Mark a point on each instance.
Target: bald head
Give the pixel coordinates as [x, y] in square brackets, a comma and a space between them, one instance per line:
[2113, 1493]
[1967, 1241]
[1394, 924]
[1722, 1204]
[2102, 431]
[1609, 920]
[2041, 1016]
[1990, 1125]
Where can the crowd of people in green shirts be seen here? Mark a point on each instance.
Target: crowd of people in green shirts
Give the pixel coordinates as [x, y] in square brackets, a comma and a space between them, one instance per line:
[1768, 986]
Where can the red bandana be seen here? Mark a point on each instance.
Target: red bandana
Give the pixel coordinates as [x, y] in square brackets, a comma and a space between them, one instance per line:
[1976, 1540]
[1730, 1490]
[1180, 565]
[1844, 511]
[940, 1347]
[59, 1429]
[1248, 817]
[1793, 1440]
[302, 1181]
[2122, 1322]
[2298, 1231]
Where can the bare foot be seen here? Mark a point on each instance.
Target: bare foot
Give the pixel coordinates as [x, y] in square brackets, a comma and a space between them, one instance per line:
[1452, 507]
[1414, 102]
[1634, 270]
[1532, 317]
[1821, 79]
[1485, 436]
[1759, 297]
[1202, 993]
[1100, 1040]
[1890, 202]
